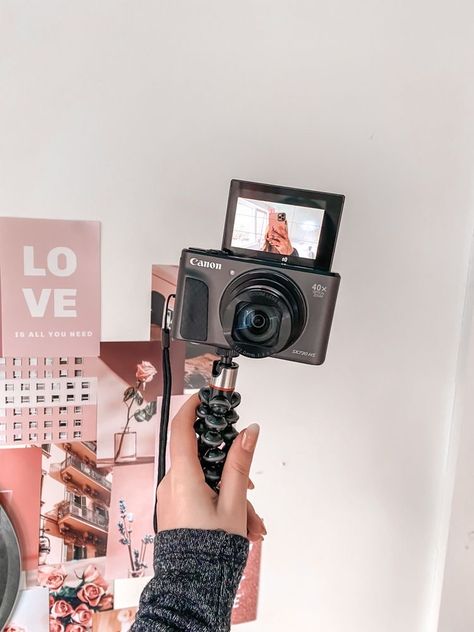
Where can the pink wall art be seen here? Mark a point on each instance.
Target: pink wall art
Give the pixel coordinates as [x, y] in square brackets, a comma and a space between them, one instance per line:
[31, 612]
[75, 500]
[47, 399]
[114, 620]
[20, 484]
[130, 541]
[125, 430]
[75, 594]
[49, 287]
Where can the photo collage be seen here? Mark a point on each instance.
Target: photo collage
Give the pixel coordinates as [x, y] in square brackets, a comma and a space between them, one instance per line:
[78, 432]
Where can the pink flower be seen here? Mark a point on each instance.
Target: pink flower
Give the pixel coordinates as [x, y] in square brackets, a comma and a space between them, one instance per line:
[75, 627]
[145, 372]
[13, 628]
[92, 576]
[90, 594]
[61, 609]
[55, 625]
[51, 601]
[51, 576]
[82, 614]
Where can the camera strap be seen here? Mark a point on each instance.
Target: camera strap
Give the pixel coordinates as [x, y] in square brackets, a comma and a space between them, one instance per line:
[165, 402]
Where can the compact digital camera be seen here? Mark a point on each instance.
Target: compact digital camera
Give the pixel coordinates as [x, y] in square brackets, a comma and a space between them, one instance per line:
[269, 291]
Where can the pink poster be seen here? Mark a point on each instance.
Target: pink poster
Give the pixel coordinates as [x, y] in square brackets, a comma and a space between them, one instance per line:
[117, 374]
[49, 287]
[131, 521]
[47, 399]
[20, 484]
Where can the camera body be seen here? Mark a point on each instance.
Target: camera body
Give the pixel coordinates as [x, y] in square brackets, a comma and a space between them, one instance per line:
[269, 291]
[214, 288]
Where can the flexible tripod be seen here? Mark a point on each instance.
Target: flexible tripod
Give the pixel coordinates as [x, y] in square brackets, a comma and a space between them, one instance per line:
[216, 417]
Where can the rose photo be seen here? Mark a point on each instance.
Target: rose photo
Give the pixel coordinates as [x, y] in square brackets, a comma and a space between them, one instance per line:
[75, 595]
[129, 382]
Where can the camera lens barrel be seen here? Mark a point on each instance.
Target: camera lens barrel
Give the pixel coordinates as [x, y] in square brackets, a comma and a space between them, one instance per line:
[262, 312]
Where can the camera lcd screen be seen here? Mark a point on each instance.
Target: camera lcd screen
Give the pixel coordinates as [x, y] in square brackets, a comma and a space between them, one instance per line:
[282, 229]
[283, 224]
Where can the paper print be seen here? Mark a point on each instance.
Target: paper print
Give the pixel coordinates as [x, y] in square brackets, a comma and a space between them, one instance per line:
[76, 593]
[114, 620]
[131, 521]
[127, 592]
[20, 483]
[47, 399]
[31, 612]
[124, 434]
[75, 500]
[49, 287]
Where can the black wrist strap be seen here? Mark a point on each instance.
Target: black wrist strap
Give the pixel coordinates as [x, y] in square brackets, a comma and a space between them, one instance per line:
[165, 403]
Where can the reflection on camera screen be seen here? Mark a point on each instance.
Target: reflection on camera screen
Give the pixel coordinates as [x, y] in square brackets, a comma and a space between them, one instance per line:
[278, 228]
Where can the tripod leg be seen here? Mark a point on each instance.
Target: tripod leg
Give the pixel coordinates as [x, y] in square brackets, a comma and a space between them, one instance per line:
[216, 418]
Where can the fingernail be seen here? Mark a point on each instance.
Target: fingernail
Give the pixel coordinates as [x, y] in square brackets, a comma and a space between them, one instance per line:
[263, 525]
[251, 485]
[249, 439]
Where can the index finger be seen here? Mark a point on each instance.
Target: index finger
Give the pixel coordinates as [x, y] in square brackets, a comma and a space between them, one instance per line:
[183, 442]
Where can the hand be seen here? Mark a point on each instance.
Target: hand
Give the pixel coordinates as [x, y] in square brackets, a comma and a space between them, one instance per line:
[279, 239]
[185, 500]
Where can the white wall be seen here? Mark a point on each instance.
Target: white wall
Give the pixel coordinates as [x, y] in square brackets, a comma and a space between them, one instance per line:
[457, 605]
[139, 113]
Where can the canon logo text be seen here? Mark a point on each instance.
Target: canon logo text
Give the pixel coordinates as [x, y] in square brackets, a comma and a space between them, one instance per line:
[202, 263]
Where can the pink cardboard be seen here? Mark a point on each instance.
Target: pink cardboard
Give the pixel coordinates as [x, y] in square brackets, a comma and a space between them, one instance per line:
[20, 483]
[49, 287]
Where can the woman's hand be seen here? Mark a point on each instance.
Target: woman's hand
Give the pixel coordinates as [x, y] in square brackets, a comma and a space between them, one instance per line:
[279, 239]
[185, 500]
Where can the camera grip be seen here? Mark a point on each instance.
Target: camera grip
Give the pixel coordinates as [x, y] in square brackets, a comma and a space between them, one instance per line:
[215, 421]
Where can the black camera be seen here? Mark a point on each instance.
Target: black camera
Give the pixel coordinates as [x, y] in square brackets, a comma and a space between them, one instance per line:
[269, 291]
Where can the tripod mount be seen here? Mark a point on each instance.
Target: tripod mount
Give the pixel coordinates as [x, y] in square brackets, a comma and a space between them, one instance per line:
[216, 417]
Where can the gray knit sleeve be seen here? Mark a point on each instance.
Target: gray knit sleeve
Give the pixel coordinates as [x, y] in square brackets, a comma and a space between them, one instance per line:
[197, 573]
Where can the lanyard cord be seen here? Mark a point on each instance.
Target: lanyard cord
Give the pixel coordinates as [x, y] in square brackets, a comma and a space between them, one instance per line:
[165, 404]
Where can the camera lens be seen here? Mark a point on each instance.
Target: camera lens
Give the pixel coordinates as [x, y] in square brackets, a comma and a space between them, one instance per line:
[256, 323]
[258, 320]
[262, 312]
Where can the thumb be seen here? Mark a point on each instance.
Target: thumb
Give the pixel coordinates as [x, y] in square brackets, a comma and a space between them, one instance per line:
[235, 476]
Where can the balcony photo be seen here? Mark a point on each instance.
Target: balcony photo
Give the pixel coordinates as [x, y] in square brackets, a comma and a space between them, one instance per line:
[75, 499]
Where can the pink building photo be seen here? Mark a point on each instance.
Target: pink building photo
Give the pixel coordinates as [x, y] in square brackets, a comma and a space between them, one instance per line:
[46, 399]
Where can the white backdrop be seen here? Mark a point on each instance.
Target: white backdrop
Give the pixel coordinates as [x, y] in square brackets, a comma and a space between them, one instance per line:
[138, 114]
